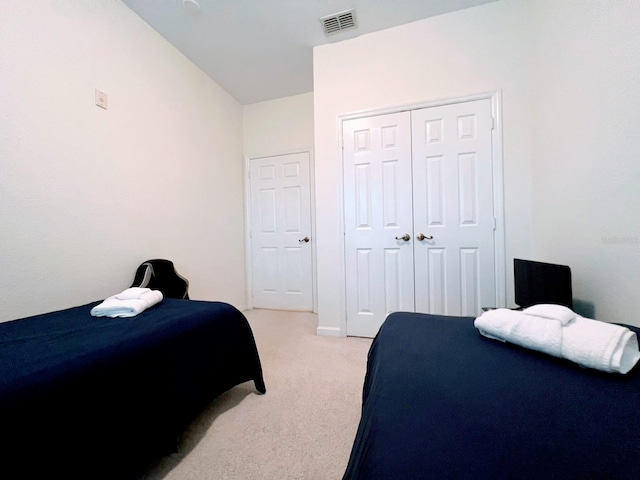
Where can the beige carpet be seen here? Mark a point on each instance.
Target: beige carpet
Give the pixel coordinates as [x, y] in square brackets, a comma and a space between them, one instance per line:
[302, 428]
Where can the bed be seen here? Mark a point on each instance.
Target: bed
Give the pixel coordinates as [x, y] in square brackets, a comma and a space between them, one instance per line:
[442, 401]
[90, 397]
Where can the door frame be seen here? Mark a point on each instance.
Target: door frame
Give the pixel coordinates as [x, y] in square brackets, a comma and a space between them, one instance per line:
[497, 160]
[247, 217]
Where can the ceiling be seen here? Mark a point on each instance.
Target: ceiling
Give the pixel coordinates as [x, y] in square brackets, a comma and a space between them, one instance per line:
[259, 50]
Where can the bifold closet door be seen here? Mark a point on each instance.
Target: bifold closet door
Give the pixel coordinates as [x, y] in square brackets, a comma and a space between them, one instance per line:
[453, 208]
[419, 221]
[378, 220]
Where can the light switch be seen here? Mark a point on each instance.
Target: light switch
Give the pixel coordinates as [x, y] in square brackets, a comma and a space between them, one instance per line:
[101, 99]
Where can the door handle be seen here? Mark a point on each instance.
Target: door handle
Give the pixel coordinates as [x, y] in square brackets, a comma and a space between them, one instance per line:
[406, 237]
[422, 236]
[304, 240]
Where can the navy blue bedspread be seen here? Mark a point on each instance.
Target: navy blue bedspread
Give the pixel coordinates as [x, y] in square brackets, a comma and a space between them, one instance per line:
[442, 402]
[91, 397]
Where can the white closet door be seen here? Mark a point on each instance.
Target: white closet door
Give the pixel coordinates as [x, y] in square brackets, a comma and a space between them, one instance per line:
[378, 213]
[281, 254]
[453, 208]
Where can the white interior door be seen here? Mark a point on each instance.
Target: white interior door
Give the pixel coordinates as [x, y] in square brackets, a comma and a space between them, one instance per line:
[453, 208]
[378, 213]
[281, 255]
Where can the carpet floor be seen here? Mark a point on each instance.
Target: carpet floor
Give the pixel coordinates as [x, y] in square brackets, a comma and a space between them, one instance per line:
[302, 428]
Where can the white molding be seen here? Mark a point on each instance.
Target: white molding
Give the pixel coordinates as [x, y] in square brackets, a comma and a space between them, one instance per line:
[418, 105]
[247, 234]
[498, 186]
[279, 153]
[498, 199]
[329, 331]
[314, 252]
[342, 314]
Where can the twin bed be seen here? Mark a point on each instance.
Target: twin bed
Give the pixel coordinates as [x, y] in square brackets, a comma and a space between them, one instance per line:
[441, 401]
[89, 397]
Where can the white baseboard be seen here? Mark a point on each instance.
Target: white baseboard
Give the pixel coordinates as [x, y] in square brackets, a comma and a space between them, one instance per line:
[329, 332]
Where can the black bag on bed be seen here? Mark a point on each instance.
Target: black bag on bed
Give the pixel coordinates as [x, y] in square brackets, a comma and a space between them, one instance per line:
[160, 274]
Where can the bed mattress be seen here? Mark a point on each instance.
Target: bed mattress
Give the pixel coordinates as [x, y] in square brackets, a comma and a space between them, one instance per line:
[86, 395]
[441, 401]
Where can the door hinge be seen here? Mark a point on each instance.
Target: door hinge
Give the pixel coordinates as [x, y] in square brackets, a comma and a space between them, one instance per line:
[495, 223]
[493, 123]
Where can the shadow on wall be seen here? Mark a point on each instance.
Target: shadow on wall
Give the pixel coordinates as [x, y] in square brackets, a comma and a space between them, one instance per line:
[584, 308]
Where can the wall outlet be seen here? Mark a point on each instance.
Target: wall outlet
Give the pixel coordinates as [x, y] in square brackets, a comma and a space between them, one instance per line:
[101, 99]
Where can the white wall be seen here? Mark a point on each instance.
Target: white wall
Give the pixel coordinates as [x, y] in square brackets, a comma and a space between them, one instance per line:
[586, 175]
[478, 50]
[278, 126]
[87, 194]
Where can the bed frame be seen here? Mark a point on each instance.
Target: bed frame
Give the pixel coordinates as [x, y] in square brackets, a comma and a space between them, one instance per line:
[441, 401]
[88, 397]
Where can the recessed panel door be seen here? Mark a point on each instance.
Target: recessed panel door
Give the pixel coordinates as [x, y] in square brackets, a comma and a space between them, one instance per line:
[453, 208]
[280, 234]
[378, 220]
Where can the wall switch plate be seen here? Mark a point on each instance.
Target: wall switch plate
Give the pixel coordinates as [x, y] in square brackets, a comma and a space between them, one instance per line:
[101, 99]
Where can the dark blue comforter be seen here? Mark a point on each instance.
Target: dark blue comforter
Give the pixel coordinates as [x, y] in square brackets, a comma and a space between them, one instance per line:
[90, 397]
[441, 401]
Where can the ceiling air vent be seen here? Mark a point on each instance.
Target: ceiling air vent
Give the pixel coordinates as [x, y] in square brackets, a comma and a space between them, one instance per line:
[338, 22]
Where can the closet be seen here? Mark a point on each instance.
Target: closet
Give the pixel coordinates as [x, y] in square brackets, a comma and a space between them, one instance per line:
[419, 213]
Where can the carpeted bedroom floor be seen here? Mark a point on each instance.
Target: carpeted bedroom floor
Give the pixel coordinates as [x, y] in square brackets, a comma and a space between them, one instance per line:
[302, 428]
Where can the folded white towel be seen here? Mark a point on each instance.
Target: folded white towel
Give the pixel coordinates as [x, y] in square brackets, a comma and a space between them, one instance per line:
[589, 343]
[128, 307]
[554, 312]
[132, 293]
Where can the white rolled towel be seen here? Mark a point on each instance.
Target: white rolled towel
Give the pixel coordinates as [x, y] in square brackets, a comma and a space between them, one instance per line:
[600, 345]
[535, 333]
[130, 306]
[560, 332]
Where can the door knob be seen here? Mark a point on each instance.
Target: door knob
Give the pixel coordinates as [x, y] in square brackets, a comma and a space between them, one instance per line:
[304, 240]
[422, 236]
[406, 237]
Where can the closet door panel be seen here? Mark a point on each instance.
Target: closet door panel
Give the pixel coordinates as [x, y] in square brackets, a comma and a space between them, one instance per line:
[453, 208]
[377, 207]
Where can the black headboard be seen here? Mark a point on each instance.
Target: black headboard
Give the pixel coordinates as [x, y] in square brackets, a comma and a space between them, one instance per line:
[539, 282]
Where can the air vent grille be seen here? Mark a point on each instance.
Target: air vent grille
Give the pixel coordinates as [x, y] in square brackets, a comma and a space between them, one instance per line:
[338, 22]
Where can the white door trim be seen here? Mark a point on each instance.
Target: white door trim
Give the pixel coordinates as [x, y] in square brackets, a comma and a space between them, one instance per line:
[247, 212]
[498, 185]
